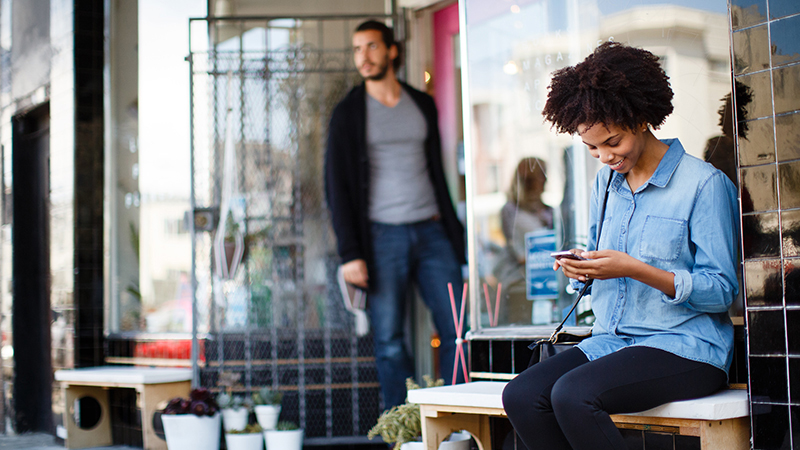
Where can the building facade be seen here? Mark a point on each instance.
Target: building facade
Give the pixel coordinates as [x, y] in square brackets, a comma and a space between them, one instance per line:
[116, 117]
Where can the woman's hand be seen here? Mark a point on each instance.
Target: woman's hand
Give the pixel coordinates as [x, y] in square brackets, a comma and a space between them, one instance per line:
[602, 265]
[607, 264]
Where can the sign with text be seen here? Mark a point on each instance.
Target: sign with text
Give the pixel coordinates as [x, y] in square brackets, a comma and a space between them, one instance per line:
[540, 278]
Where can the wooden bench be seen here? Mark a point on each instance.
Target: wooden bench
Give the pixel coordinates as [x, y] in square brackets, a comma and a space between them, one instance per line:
[720, 420]
[153, 385]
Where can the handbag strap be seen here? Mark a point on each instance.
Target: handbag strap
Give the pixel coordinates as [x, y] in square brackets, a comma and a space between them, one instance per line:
[590, 281]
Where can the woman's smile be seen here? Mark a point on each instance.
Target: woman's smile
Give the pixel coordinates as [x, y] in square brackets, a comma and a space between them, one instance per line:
[617, 165]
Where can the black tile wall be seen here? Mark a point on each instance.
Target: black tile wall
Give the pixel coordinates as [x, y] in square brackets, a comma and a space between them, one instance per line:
[769, 165]
[789, 176]
[787, 136]
[758, 147]
[790, 232]
[745, 13]
[785, 39]
[760, 234]
[786, 83]
[767, 333]
[760, 104]
[793, 331]
[752, 52]
[768, 378]
[759, 189]
[770, 427]
[781, 8]
[791, 281]
[763, 283]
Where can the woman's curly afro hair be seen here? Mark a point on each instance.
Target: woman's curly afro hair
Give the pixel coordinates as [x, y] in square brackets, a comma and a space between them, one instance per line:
[616, 85]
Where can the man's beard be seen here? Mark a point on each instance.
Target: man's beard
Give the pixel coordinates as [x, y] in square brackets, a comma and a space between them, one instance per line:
[383, 69]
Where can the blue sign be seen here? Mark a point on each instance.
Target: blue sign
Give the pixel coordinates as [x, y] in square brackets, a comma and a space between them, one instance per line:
[540, 278]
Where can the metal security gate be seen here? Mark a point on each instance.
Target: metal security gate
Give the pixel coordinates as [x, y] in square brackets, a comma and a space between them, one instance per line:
[267, 306]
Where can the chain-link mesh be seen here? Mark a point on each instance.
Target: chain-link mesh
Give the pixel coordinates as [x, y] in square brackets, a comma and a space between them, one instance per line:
[278, 320]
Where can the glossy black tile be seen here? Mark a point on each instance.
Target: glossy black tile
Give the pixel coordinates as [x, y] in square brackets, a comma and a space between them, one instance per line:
[793, 331]
[786, 81]
[768, 380]
[763, 283]
[785, 39]
[758, 144]
[791, 281]
[750, 50]
[770, 427]
[789, 176]
[760, 104]
[787, 129]
[790, 232]
[747, 12]
[760, 235]
[766, 333]
[794, 379]
[759, 188]
[781, 8]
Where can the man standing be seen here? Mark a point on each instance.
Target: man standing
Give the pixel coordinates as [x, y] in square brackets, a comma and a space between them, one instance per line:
[392, 214]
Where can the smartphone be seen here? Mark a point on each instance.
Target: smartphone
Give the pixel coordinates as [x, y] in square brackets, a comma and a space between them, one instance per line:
[566, 254]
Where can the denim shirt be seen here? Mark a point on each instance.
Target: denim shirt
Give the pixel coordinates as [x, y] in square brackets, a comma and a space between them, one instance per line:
[685, 220]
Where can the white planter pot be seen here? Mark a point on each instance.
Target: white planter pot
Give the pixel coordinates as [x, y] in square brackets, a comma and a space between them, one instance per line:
[267, 415]
[234, 418]
[284, 440]
[187, 431]
[249, 441]
[456, 441]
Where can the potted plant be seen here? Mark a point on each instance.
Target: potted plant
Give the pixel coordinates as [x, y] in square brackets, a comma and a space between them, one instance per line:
[192, 423]
[285, 436]
[267, 405]
[401, 425]
[235, 409]
[248, 438]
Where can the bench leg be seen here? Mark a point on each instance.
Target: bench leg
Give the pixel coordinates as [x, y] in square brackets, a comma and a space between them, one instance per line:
[731, 434]
[150, 397]
[437, 426]
[97, 436]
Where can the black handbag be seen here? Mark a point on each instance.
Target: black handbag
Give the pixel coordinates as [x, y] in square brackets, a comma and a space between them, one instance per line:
[560, 340]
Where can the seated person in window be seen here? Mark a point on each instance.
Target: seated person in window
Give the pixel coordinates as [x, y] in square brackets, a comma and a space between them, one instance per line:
[523, 212]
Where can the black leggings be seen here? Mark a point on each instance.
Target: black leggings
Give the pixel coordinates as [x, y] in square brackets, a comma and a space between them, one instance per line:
[564, 402]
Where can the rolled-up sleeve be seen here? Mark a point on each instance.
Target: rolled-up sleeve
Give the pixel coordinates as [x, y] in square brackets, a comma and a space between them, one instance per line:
[712, 284]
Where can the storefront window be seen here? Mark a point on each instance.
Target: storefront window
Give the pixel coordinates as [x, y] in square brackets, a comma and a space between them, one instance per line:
[148, 188]
[529, 188]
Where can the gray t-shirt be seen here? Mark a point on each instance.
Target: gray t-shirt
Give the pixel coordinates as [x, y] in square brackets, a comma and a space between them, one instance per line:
[401, 189]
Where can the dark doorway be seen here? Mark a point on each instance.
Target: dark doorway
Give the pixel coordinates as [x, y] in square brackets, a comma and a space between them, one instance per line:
[31, 270]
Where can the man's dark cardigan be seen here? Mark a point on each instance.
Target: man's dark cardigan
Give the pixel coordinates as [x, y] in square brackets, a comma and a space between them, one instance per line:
[347, 172]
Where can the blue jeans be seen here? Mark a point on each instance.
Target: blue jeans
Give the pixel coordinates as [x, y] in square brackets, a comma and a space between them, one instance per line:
[420, 252]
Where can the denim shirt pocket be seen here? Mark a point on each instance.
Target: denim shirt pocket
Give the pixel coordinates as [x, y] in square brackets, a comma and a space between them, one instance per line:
[662, 238]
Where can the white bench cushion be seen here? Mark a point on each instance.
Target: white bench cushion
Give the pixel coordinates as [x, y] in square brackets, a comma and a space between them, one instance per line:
[125, 375]
[723, 405]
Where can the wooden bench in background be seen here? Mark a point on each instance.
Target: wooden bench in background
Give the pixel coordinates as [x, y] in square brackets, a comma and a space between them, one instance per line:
[720, 420]
[153, 385]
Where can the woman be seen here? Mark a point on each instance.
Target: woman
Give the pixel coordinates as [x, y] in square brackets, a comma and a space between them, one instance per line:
[523, 212]
[664, 269]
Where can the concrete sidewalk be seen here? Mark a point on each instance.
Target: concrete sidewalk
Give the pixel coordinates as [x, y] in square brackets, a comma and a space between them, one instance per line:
[42, 441]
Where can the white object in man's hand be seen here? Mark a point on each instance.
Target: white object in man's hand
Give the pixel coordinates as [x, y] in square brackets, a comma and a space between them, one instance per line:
[355, 273]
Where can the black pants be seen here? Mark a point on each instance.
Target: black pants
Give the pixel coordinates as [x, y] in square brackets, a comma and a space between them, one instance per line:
[564, 402]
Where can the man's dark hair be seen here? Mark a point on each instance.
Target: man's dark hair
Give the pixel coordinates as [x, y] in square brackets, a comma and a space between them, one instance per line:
[388, 38]
[616, 85]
